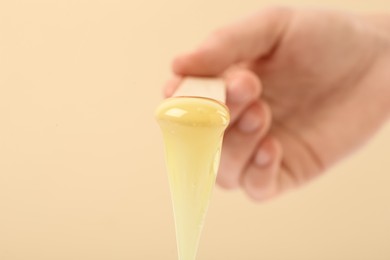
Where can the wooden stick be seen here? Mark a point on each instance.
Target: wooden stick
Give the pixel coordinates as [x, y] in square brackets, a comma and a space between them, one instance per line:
[214, 88]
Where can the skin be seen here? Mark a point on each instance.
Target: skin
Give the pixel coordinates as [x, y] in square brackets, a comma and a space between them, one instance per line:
[305, 87]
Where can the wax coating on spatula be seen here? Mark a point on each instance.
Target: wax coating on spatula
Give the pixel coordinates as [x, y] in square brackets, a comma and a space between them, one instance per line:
[193, 129]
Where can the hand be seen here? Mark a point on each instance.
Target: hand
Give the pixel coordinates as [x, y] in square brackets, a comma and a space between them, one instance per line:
[305, 88]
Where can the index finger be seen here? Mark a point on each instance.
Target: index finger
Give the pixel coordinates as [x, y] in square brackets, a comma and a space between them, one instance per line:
[251, 38]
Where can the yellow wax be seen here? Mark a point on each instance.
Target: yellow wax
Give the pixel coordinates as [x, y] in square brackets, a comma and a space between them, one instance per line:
[193, 130]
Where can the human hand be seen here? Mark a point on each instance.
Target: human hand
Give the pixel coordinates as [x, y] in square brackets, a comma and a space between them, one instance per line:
[305, 88]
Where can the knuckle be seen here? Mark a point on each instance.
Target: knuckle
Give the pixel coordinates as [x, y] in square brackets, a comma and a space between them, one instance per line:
[224, 36]
[249, 81]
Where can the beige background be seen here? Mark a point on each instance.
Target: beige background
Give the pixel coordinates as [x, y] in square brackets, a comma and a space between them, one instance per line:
[82, 174]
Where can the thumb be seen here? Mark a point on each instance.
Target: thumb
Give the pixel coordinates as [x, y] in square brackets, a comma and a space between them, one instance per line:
[251, 38]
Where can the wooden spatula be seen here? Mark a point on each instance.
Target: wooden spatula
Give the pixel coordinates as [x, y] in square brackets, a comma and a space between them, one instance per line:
[214, 88]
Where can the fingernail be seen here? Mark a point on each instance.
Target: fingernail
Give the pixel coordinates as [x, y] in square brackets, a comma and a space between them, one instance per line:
[249, 123]
[238, 92]
[263, 157]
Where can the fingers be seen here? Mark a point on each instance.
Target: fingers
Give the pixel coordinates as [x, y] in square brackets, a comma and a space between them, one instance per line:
[240, 141]
[243, 88]
[251, 38]
[246, 158]
[260, 178]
